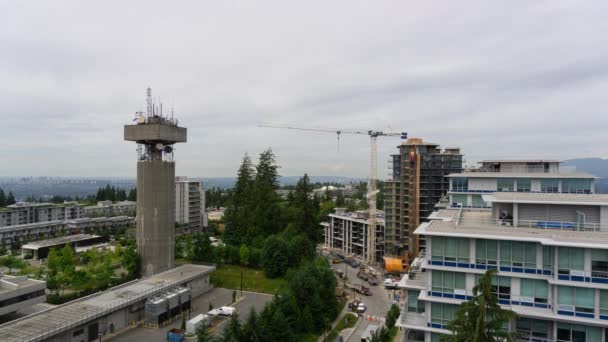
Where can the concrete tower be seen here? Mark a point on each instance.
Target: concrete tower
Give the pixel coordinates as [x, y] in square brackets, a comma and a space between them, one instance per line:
[155, 136]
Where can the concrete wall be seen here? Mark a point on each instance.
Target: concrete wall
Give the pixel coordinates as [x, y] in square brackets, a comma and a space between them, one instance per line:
[155, 132]
[155, 215]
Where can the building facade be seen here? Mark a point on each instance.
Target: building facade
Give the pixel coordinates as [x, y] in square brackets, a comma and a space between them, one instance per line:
[541, 176]
[26, 213]
[551, 252]
[107, 208]
[190, 213]
[417, 182]
[12, 236]
[346, 233]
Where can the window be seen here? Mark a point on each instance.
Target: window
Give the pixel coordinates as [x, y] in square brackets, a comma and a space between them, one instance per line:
[604, 302]
[442, 313]
[524, 185]
[504, 184]
[460, 199]
[478, 201]
[450, 249]
[529, 327]
[460, 184]
[576, 186]
[501, 286]
[486, 252]
[447, 282]
[547, 258]
[549, 185]
[534, 290]
[599, 263]
[413, 304]
[576, 299]
[570, 259]
[518, 254]
[578, 333]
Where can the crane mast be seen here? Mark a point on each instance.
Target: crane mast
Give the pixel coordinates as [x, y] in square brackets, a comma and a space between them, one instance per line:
[372, 188]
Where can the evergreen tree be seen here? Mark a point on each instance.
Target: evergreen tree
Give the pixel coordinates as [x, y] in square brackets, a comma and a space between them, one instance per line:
[306, 210]
[10, 199]
[201, 246]
[340, 202]
[132, 195]
[233, 331]
[2, 198]
[481, 319]
[250, 328]
[238, 212]
[275, 257]
[266, 211]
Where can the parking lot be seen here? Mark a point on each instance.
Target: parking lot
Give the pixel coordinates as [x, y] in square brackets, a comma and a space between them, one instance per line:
[217, 297]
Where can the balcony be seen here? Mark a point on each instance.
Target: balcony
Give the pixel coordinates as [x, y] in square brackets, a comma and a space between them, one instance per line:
[412, 320]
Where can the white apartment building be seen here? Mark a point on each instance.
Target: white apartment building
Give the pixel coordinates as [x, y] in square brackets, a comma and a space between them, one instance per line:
[543, 176]
[190, 204]
[25, 213]
[346, 233]
[108, 208]
[551, 251]
[20, 292]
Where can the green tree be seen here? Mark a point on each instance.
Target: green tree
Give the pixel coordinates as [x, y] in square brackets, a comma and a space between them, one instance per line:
[265, 205]
[275, 257]
[2, 198]
[201, 248]
[203, 334]
[132, 195]
[131, 261]
[244, 255]
[340, 202]
[481, 319]
[10, 199]
[238, 211]
[392, 316]
[250, 328]
[233, 330]
[10, 262]
[305, 210]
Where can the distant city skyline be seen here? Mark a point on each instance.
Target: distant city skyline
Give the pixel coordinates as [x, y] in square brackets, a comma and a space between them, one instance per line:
[515, 79]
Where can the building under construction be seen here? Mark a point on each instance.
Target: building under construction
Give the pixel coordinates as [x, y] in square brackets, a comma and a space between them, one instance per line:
[417, 182]
[155, 135]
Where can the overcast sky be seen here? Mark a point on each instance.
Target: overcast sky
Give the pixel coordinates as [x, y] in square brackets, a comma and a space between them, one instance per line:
[509, 79]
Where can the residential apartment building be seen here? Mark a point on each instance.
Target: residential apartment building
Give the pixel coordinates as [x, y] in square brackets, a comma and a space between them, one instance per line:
[12, 236]
[346, 233]
[417, 182]
[108, 208]
[544, 176]
[189, 205]
[551, 251]
[25, 213]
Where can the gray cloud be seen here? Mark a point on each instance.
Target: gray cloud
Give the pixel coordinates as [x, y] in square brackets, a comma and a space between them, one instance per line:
[512, 79]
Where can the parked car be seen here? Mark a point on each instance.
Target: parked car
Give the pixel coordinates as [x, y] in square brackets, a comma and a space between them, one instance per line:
[223, 311]
[389, 283]
[361, 308]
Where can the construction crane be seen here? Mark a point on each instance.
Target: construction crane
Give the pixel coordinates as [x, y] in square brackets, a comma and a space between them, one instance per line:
[372, 189]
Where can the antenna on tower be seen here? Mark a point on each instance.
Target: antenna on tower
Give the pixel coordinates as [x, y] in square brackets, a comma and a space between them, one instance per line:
[150, 109]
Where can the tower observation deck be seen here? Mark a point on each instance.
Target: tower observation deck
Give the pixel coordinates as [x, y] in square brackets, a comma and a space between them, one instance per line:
[155, 135]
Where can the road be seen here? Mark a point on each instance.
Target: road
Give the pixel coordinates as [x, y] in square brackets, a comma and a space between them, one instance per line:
[377, 304]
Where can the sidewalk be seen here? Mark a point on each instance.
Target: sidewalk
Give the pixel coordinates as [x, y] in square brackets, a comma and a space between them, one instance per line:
[335, 322]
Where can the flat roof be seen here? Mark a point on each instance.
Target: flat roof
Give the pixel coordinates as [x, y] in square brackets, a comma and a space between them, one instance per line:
[483, 174]
[520, 161]
[479, 224]
[10, 283]
[48, 323]
[354, 219]
[547, 198]
[59, 241]
[33, 225]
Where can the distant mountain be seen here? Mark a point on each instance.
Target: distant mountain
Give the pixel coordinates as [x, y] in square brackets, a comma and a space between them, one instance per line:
[595, 166]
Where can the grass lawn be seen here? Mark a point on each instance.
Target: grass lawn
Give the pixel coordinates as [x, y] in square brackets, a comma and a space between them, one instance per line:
[229, 276]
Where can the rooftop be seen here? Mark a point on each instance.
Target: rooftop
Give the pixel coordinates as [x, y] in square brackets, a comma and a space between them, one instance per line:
[48, 323]
[59, 241]
[488, 174]
[547, 198]
[10, 283]
[520, 161]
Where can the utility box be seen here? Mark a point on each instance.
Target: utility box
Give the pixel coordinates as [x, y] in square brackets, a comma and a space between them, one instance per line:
[193, 324]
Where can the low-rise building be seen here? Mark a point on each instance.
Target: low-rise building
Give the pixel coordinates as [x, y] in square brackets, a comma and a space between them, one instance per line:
[19, 292]
[40, 249]
[25, 213]
[107, 208]
[551, 253]
[14, 235]
[105, 314]
[346, 232]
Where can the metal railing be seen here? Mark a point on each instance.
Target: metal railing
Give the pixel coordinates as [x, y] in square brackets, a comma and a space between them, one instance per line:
[530, 225]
